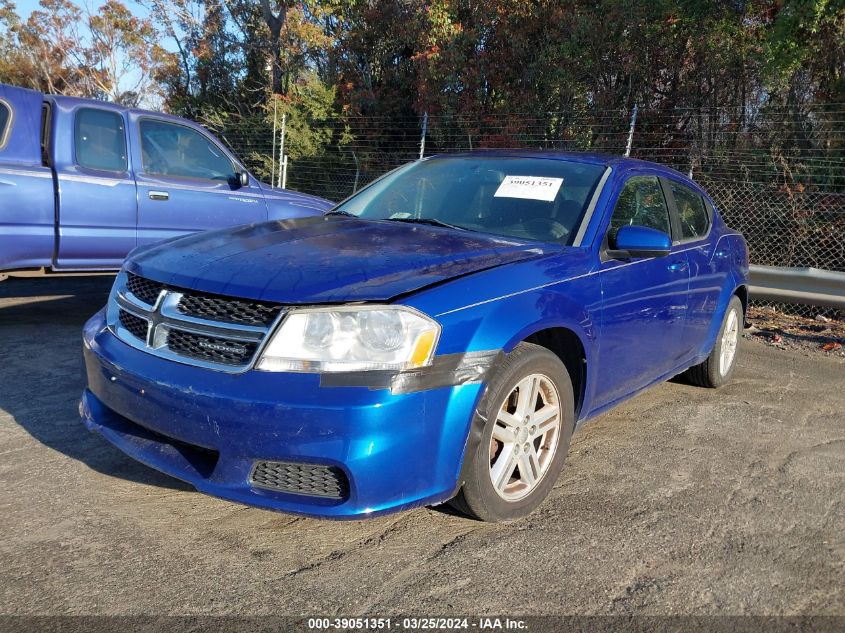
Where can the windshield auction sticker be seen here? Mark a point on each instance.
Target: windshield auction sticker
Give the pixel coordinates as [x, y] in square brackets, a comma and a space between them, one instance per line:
[529, 188]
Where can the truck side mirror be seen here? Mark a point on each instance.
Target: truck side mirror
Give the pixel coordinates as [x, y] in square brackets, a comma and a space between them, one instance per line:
[243, 179]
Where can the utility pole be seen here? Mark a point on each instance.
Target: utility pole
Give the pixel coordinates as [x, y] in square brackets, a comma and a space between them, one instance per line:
[282, 157]
[273, 158]
[631, 131]
[422, 137]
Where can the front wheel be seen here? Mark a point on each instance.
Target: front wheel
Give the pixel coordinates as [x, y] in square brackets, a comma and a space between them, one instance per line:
[520, 436]
[718, 368]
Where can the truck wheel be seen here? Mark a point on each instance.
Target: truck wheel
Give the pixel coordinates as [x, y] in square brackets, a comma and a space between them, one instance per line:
[520, 436]
[718, 368]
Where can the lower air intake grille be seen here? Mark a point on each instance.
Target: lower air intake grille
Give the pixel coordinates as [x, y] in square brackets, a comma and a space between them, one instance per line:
[146, 290]
[135, 325]
[301, 479]
[213, 349]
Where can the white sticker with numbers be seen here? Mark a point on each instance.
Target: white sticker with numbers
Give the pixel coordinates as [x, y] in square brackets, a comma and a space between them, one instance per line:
[529, 188]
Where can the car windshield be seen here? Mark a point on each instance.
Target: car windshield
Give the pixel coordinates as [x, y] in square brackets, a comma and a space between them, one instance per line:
[539, 199]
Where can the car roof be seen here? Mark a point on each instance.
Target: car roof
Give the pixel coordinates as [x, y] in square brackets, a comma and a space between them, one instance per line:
[592, 158]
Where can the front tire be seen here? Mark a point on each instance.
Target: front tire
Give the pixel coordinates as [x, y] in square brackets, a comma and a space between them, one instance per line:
[718, 368]
[521, 434]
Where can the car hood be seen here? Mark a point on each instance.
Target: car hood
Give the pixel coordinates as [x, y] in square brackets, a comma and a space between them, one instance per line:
[326, 259]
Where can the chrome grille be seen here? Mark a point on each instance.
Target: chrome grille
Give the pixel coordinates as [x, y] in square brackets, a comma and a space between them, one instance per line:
[302, 479]
[134, 325]
[228, 310]
[144, 289]
[223, 333]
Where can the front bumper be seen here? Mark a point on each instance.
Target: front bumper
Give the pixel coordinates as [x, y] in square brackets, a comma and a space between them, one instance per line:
[210, 428]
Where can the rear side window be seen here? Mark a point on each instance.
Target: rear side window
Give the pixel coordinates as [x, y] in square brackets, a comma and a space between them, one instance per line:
[100, 140]
[640, 203]
[168, 149]
[5, 123]
[695, 221]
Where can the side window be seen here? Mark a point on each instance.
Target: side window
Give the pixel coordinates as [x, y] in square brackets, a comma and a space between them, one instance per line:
[168, 149]
[692, 213]
[5, 123]
[100, 140]
[641, 203]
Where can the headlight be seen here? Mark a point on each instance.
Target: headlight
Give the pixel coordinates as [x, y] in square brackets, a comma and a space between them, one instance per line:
[354, 338]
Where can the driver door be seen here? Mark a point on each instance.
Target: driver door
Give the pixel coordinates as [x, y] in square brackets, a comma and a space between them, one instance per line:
[644, 300]
[187, 183]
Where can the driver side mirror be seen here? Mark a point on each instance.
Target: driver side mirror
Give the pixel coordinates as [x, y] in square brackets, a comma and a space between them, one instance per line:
[641, 241]
[243, 178]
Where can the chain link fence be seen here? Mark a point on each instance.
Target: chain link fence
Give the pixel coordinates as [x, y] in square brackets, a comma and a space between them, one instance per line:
[777, 175]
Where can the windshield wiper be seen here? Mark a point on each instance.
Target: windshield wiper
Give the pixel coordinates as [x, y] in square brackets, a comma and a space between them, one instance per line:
[430, 222]
[339, 212]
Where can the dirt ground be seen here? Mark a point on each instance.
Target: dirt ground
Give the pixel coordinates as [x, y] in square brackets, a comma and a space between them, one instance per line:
[817, 335]
[681, 501]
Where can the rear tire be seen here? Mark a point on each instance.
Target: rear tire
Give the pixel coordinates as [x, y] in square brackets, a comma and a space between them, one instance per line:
[520, 436]
[719, 366]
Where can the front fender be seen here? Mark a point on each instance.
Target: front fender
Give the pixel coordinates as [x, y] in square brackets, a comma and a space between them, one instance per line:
[296, 207]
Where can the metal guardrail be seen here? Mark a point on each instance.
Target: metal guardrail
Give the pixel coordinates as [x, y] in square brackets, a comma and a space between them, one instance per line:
[810, 286]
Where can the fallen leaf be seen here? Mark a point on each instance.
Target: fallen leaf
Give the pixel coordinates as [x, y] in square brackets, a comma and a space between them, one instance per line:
[830, 347]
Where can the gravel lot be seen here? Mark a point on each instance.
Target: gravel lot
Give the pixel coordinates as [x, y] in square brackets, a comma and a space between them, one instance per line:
[681, 501]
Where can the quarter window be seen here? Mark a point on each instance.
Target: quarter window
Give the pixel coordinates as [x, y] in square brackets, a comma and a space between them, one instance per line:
[641, 203]
[695, 222]
[100, 140]
[168, 149]
[5, 120]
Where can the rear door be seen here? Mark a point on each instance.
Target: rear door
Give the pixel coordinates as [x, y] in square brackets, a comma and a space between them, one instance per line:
[187, 182]
[693, 218]
[644, 300]
[97, 205]
[27, 206]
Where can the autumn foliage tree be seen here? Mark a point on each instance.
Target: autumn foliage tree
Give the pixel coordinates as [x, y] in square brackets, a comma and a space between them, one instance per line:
[61, 48]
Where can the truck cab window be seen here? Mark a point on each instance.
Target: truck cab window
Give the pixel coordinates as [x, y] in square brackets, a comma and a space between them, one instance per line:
[168, 149]
[100, 140]
[5, 123]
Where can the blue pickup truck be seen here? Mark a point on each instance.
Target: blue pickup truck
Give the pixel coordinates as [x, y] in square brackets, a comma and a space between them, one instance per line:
[83, 182]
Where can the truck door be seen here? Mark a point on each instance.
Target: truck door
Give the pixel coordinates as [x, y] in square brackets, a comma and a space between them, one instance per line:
[97, 200]
[187, 182]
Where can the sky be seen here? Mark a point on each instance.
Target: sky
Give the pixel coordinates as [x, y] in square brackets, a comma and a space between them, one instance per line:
[25, 7]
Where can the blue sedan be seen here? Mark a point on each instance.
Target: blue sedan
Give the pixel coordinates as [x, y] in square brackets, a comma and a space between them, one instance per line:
[436, 337]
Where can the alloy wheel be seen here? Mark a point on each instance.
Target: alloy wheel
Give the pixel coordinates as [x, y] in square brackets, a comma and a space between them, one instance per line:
[525, 437]
[730, 338]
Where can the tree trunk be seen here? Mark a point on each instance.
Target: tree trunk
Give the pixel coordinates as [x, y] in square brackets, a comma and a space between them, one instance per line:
[275, 23]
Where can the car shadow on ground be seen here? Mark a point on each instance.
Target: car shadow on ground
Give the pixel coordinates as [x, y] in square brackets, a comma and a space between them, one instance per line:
[41, 373]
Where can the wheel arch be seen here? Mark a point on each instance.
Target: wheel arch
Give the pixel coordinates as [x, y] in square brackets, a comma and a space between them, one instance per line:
[741, 291]
[567, 346]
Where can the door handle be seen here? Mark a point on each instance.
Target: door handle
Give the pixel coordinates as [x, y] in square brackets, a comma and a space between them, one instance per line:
[159, 195]
[677, 267]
